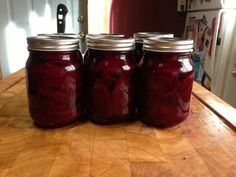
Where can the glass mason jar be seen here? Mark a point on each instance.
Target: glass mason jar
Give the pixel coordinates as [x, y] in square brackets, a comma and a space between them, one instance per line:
[110, 80]
[54, 80]
[140, 36]
[166, 79]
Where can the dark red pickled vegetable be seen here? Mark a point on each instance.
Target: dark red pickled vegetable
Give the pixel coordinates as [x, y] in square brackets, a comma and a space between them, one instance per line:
[138, 51]
[165, 88]
[54, 83]
[110, 86]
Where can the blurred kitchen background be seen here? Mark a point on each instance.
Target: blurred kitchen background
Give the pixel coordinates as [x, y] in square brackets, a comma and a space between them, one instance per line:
[23, 18]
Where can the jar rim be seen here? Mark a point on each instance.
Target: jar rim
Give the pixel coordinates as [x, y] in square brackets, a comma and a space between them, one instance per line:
[103, 35]
[163, 44]
[52, 43]
[111, 44]
[140, 36]
[70, 35]
[169, 40]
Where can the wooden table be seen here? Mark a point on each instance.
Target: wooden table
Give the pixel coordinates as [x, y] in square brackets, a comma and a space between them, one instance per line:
[203, 145]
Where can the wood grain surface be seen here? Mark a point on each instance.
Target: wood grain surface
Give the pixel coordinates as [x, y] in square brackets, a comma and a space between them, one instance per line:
[203, 145]
[225, 111]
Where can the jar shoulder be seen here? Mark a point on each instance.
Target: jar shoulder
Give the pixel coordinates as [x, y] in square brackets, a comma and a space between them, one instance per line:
[55, 57]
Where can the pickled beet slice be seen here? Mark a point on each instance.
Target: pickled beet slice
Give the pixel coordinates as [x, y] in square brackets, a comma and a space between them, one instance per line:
[53, 114]
[40, 103]
[100, 99]
[56, 95]
[162, 113]
[120, 98]
[109, 72]
[109, 80]
[185, 88]
[55, 87]
[162, 84]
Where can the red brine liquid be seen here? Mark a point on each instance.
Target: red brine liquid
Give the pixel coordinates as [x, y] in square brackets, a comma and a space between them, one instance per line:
[166, 81]
[110, 86]
[54, 84]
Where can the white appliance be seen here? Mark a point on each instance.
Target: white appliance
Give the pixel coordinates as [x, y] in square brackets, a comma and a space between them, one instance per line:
[212, 26]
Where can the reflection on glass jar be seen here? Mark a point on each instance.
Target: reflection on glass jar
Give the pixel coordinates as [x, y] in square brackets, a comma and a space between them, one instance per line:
[110, 81]
[54, 80]
[166, 78]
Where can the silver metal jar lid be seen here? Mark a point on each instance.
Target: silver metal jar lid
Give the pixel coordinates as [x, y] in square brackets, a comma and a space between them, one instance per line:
[167, 44]
[103, 35]
[111, 44]
[72, 35]
[52, 43]
[140, 36]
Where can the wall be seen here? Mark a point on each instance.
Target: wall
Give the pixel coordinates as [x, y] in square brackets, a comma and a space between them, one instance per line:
[129, 16]
[23, 18]
[98, 16]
